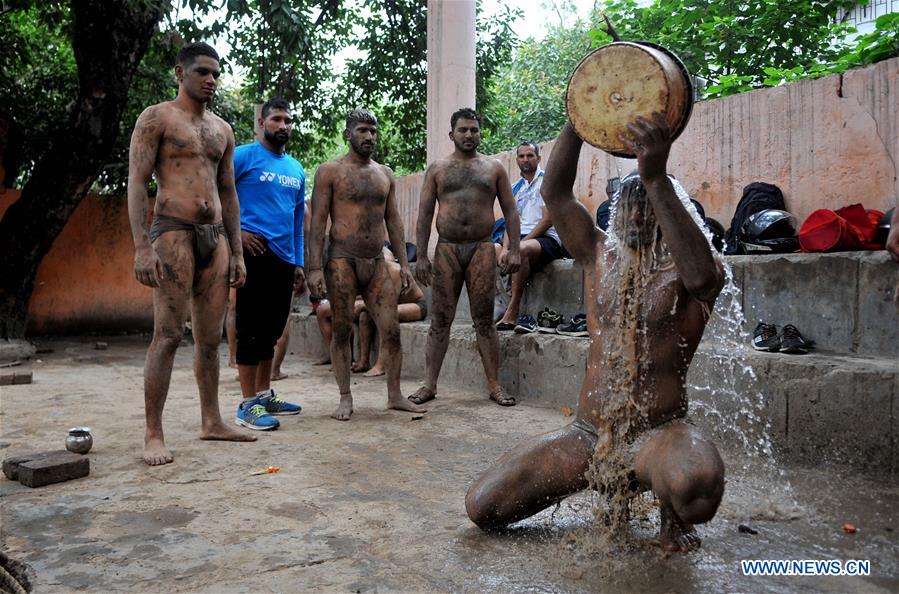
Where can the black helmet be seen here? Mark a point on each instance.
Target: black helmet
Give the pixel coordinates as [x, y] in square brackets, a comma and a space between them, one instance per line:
[883, 227]
[769, 231]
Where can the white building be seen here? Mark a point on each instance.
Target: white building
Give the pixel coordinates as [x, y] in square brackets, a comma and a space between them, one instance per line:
[864, 14]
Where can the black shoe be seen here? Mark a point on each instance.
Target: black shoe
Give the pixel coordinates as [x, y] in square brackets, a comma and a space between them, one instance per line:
[792, 342]
[526, 324]
[765, 338]
[548, 320]
[576, 327]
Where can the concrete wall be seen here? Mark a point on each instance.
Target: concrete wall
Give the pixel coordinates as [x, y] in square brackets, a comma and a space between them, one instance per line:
[826, 143]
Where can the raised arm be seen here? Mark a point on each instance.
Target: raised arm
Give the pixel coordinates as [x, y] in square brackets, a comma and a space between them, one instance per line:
[145, 142]
[427, 201]
[237, 274]
[512, 258]
[322, 193]
[396, 234]
[574, 224]
[699, 268]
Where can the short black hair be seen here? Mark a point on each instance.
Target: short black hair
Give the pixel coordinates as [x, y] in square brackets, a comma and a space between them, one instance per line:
[360, 115]
[189, 52]
[466, 113]
[274, 103]
[533, 145]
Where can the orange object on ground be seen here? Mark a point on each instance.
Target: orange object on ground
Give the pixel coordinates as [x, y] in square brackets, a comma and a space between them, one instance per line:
[849, 528]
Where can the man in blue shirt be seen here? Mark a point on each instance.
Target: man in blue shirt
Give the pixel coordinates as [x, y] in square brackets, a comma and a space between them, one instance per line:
[270, 187]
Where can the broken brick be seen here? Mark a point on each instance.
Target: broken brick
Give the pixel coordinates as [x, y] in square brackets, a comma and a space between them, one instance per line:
[46, 468]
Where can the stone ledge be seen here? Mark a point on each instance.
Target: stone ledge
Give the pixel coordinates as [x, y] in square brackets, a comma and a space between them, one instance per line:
[816, 406]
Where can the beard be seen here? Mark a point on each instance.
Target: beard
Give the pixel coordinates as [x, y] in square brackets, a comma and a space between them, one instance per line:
[363, 149]
[461, 146]
[277, 139]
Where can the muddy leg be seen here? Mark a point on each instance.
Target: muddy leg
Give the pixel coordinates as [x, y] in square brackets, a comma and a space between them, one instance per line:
[479, 279]
[210, 298]
[531, 477]
[686, 473]
[445, 290]
[381, 302]
[230, 328]
[170, 303]
[342, 290]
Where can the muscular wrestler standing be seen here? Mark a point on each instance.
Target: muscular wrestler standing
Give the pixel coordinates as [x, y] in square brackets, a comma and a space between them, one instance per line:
[183, 255]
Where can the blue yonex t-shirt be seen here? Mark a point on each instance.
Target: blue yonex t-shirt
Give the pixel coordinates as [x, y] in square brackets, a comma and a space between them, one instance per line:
[271, 189]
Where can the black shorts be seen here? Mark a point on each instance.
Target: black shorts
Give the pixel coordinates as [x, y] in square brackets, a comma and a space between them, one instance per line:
[550, 250]
[263, 304]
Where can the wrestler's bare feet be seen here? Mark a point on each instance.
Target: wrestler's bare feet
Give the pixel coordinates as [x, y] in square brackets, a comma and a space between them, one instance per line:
[344, 409]
[422, 395]
[359, 366]
[501, 397]
[278, 375]
[374, 371]
[221, 432]
[155, 452]
[323, 361]
[397, 402]
[675, 535]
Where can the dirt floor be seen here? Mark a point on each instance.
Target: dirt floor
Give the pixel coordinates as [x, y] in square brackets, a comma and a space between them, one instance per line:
[375, 504]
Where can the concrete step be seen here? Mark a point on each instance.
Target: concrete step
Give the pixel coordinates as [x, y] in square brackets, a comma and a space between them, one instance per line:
[812, 407]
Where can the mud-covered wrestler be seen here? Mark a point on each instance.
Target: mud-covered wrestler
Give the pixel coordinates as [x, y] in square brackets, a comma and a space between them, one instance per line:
[649, 294]
[358, 195]
[192, 251]
[465, 184]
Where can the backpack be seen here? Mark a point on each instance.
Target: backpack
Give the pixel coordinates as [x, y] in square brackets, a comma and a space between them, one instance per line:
[757, 196]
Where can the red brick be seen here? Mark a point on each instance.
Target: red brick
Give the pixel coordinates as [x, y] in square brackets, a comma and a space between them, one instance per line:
[53, 467]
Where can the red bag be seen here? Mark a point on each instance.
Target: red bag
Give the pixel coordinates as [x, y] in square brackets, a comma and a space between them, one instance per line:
[849, 228]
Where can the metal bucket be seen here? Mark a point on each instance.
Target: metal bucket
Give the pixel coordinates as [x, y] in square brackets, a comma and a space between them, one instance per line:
[614, 84]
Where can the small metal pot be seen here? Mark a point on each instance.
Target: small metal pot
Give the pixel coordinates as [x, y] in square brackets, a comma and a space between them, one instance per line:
[79, 440]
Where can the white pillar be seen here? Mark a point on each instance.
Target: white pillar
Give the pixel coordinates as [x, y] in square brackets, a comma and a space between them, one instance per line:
[451, 68]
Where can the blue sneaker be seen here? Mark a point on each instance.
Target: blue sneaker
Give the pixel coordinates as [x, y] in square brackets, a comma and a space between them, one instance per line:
[252, 415]
[275, 406]
[526, 324]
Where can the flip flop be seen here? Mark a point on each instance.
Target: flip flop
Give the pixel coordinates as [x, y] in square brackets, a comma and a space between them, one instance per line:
[504, 326]
[422, 395]
[502, 398]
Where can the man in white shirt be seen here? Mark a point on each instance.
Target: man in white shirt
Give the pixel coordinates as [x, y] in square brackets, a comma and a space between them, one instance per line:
[540, 244]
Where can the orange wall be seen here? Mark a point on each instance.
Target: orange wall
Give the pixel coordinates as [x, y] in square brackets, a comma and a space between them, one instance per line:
[86, 282]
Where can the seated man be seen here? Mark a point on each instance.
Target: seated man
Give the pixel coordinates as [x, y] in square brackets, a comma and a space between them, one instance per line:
[411, 307]
[649, 294]
[540, 244]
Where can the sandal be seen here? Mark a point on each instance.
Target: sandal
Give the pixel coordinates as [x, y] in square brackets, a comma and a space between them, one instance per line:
[502, 398]
[422, 395]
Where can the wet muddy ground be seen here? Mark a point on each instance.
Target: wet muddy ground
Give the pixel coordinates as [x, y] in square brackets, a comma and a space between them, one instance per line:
[375, 504]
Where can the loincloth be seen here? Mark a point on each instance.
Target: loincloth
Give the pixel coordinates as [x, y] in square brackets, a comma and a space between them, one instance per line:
[364, 267]
[464, 250]
[206, 236]
[636, 443]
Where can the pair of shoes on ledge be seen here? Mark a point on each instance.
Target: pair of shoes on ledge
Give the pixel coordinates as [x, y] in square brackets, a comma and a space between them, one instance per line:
[788, 340]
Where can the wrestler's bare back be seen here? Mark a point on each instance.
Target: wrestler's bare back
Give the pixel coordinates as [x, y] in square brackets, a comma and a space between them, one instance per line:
[187, 151]
[466, 190]
[674, 325]
[358, 202]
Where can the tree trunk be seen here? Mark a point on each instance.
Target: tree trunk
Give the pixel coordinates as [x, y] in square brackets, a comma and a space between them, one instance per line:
[109, 40]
